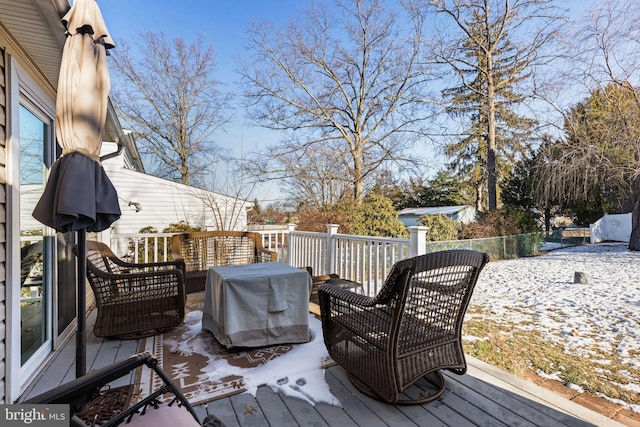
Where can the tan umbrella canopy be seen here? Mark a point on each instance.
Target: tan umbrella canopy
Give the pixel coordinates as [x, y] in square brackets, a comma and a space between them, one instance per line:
[79, 196]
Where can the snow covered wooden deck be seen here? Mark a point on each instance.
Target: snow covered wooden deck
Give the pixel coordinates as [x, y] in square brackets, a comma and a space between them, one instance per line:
[485, 396]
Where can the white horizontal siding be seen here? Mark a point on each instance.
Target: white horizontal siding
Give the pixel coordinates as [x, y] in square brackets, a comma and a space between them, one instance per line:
[164, 202]
[161, 202]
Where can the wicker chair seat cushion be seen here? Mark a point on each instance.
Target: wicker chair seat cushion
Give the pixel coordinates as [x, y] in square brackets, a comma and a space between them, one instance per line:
[128, 316]
[420, 333]
[151, 292]
[134, 303]
[357, 325]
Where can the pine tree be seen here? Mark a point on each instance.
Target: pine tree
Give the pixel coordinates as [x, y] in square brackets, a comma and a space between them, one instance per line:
[491, 67]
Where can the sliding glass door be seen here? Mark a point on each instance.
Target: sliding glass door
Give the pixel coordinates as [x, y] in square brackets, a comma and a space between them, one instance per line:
[35, 248]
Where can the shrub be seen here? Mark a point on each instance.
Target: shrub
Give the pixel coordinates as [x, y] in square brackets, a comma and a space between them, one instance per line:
[524, 219]
[180, 227]
[314, 219]
[374, 216]
[441, 227]
[494, 223]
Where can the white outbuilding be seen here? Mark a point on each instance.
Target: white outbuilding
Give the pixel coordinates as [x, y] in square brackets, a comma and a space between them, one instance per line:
[463, 213]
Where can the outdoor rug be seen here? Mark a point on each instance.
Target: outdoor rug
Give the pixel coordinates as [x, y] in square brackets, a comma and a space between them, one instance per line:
[205, 370]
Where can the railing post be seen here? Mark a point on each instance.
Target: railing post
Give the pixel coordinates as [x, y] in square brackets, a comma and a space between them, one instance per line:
[417, 240]
[290, 229]
[330, 263]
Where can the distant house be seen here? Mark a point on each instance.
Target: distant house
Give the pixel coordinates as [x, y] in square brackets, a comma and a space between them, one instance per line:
[463, 213]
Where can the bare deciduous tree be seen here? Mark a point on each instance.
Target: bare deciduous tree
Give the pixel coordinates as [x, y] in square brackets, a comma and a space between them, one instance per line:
[229, 199]
[169, 99]
[314, 177]
[345, 82]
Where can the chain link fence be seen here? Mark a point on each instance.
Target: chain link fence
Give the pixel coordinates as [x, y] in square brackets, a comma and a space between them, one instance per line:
[504, 247]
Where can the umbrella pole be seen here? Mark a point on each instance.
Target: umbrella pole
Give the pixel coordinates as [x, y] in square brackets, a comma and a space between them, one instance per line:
[81, 342]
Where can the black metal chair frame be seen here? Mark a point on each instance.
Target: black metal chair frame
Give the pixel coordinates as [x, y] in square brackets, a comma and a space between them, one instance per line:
[81, 391]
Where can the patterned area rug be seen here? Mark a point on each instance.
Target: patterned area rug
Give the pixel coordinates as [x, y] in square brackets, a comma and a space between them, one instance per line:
[190, 354]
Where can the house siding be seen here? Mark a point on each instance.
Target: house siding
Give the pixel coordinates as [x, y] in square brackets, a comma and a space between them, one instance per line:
[3, 221]
[161, 203]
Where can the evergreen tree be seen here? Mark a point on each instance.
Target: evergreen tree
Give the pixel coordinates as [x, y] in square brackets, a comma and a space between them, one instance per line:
[491, 64]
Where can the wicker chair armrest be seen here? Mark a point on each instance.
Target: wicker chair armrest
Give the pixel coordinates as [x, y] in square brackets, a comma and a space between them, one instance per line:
[264, 255]
[333, 290]
[323, 278]
[163, 264]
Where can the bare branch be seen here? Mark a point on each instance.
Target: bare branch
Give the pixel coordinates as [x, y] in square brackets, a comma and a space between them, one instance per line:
[170, 101]
[345, 82]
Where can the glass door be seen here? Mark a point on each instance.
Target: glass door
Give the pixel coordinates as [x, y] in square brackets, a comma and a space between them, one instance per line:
[36, 250]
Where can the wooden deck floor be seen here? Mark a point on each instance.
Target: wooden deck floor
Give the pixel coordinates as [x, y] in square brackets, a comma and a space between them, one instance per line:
[485, 396]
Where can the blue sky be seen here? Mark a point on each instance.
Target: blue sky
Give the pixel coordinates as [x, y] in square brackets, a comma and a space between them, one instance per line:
[223, 23]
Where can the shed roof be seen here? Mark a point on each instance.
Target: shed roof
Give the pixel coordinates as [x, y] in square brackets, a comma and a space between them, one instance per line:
[445, 210]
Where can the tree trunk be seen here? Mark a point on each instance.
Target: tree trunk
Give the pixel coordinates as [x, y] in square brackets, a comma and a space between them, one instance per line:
[547, 220]
[492, 185]
[479, 204]
[634, 240]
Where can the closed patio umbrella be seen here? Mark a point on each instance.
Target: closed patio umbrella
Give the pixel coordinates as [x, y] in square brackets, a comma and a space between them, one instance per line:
[79, 196]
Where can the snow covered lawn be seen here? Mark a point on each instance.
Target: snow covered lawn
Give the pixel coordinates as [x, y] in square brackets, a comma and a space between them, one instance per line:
[590, 320]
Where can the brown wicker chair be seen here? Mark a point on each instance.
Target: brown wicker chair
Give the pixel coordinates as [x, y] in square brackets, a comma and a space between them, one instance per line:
[200, 250]
[134, 300]
[411, 330]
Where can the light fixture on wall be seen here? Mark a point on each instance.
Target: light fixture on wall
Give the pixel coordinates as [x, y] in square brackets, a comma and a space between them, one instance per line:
[136, 205]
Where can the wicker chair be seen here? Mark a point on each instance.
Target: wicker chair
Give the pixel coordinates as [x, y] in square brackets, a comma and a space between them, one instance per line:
[411, 330]
[94, 400]
[200, 250]
[134, 300]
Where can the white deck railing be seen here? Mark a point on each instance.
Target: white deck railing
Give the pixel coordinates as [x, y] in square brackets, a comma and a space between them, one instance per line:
[363, 259]
[360, 258]
[142, 247]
